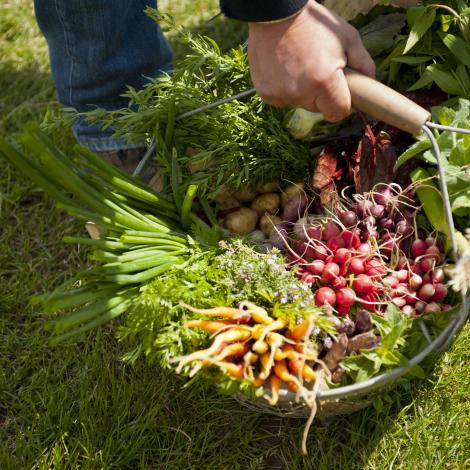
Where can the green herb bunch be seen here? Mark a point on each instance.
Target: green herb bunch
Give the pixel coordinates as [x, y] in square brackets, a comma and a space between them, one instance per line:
[232, 273]
[237, 144]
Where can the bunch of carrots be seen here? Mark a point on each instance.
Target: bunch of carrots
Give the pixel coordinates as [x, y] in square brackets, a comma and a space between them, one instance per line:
[249, 344]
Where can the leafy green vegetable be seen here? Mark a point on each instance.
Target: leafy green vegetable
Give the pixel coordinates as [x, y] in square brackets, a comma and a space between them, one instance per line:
[420, 20]
[392, 328]
[434, 50]
[378, 36]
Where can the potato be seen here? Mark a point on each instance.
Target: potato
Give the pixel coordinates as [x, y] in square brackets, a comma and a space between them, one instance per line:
[225, 201]
[292, 190]
[267, 223]
[268, 187]
[269, 202]
[245, 194]
[242, 221]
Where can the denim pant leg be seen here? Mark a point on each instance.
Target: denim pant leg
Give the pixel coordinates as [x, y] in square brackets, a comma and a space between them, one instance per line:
[97, 48]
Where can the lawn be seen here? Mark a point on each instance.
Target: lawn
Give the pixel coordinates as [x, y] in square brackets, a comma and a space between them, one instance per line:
[79, 405]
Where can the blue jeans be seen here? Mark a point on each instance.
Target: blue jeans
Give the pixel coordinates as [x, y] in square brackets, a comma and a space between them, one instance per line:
[97, 48]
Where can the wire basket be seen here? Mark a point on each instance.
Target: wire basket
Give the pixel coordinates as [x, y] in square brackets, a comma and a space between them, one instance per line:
[350, 398]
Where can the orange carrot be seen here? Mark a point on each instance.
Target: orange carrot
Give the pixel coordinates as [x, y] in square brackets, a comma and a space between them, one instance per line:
[257, 381]
[211, 326]
[301, 330]
[275, 382]
[228, 313]
[232, 350]
[258, 314]
[299, 368]
[239, 333]
[234, 370]
[280, 369]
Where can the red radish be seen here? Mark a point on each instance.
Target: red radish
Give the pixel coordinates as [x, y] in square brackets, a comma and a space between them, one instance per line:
[418, 248]
[388, 242]
[440, 293]
[364, 249]
[345, 296]
[402, 275]
[432, 308]
[343, 310]
[331, 230]
[363, 207]
[374, 267]
[348, 218]
[408, 310]
[320, 251]
[363, 284]
[351, 239]
[402, 262]
[416, 269]
[316, 267]
[426, 279]
[438, 276]
[387, 223]
[391, 282]
[426, 291]
[342, 255]
[324, 296]
[314, 232]
[415, 282]
[430, 241]
[377, 211]
[411, 299]
[344, 268]
[383, 197]
[339, 282]
[368, 299]
[357, 266]
[331, 271]
[404, 228]
[330, 259]
[399, 301]
[433, 252]
[427, 264]
[420, 306]
[335, 243]
[309, 279]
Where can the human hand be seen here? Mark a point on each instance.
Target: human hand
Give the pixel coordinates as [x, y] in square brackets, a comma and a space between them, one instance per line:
[300, 61]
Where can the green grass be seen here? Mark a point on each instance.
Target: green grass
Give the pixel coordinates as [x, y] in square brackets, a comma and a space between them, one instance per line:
[80, 406]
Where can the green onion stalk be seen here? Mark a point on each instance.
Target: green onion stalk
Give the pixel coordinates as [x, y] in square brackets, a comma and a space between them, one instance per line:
[145, 233]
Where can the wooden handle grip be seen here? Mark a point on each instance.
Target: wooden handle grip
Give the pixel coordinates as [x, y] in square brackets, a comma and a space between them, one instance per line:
[385, 104]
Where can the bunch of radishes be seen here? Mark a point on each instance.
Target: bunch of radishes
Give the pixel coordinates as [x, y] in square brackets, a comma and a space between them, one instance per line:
[367, 255]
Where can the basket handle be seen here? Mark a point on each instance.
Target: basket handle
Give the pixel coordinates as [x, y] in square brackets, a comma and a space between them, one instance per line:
[384, 104]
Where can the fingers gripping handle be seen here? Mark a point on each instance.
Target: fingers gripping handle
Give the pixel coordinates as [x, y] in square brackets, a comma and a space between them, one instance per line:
[385, 104]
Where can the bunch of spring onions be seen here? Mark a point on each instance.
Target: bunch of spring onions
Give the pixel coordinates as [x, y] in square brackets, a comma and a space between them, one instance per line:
[145, 233]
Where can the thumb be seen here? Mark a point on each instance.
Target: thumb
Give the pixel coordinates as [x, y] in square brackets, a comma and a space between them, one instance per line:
[334, 102]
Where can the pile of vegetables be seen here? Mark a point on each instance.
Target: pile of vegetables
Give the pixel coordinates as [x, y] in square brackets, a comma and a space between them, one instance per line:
[263, 263]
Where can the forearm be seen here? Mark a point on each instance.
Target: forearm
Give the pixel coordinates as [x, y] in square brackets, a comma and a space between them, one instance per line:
[261, 10]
